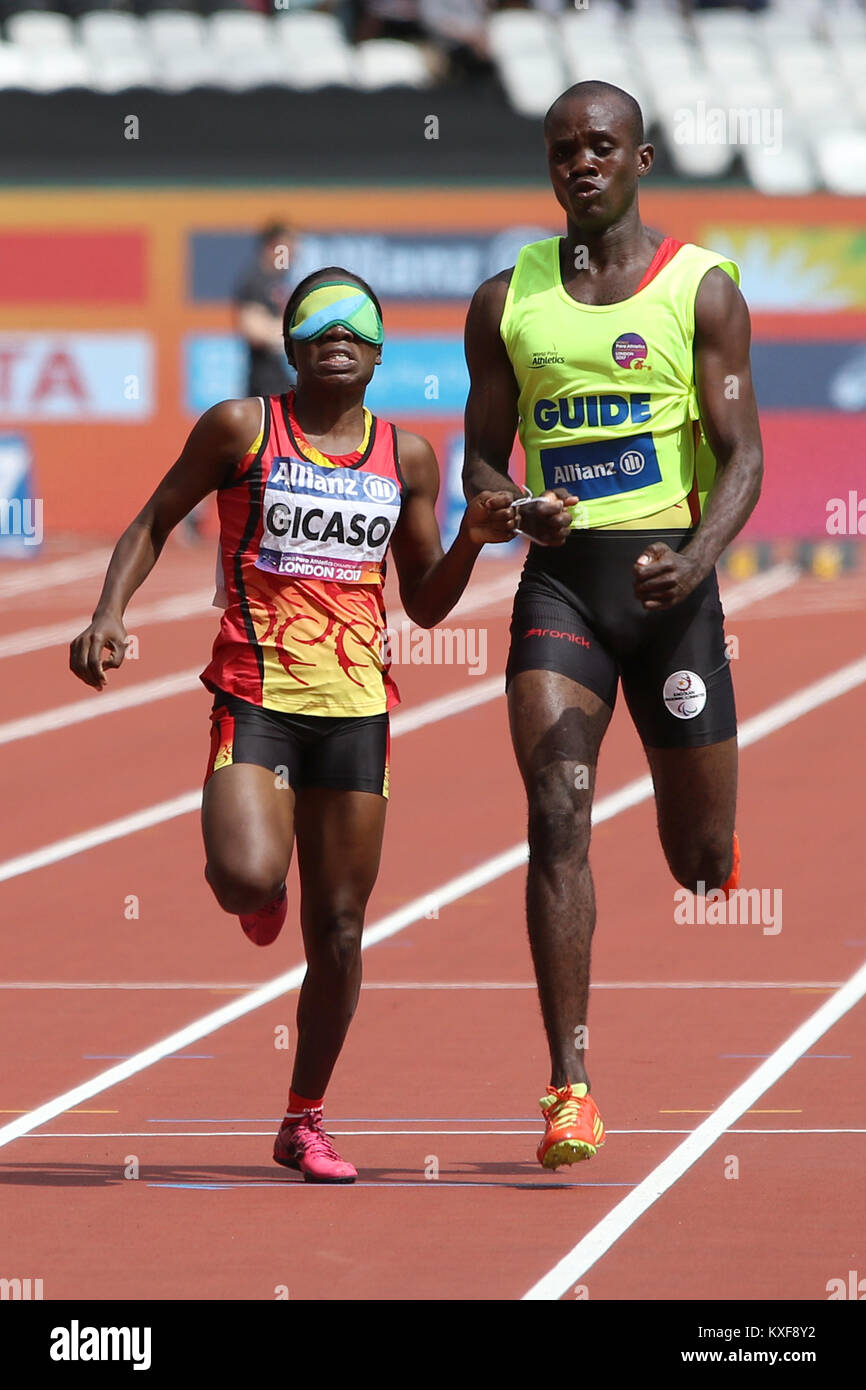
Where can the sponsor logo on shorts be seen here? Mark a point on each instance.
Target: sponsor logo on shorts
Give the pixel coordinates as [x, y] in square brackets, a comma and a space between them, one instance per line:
[684, 694]
[576, 637]
[630, 350]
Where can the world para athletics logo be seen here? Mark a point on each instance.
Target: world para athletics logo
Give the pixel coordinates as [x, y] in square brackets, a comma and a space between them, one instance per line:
[630, 350]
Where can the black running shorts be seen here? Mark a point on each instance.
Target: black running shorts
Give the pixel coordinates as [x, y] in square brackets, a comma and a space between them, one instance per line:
[304, 750]
[575, 612]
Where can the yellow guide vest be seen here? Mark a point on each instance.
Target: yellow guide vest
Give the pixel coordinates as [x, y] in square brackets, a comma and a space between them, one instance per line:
[608, 406]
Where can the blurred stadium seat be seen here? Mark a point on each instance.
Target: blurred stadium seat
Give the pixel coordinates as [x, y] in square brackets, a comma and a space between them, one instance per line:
[523, 45]
[790, 170]
[116, 48]
[242, 49]
[391, 63]
[804, 59]
[178, 42]
[841, 158]
[41, 31]
[314, 51]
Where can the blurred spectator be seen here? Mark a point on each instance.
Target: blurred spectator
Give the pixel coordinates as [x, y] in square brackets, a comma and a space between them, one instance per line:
[260, 299]
[727, 5]
[383, 19]
[458, 26]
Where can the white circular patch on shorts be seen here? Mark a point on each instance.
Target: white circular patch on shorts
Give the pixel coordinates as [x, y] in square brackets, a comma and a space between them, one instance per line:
[684, 694]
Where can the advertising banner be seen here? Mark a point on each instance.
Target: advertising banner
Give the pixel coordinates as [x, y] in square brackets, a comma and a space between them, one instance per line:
[75, 376]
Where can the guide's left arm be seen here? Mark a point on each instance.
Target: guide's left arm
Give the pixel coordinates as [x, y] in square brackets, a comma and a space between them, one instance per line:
[729, 414]
[431, 581]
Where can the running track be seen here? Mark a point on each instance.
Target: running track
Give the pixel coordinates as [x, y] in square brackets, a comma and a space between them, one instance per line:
[446, 1057]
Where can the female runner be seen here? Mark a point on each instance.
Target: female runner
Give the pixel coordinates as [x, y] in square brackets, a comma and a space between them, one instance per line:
[312, 492]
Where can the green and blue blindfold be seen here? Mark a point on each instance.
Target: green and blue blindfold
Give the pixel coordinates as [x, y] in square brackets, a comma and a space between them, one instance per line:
[337, 302]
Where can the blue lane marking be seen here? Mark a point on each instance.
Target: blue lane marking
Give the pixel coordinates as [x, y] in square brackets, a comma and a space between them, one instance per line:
[421, 1182]
[808, 1057]
[205, 1186]
[398, 1120]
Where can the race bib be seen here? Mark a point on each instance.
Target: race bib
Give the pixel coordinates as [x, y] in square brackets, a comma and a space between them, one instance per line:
[326, 523]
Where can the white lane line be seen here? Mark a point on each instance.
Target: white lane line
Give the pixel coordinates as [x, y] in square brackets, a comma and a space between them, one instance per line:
[484, 873]
[482, 594]
[196, 603]
[37, 576]
[772, 581]
[403, 722]
[802, 701]
[478, 692]
[334, 1127]
[219, 985]
[98, 704]
[100, 835]
[758, 727]
[602, 984]
[623, 1216]
[199, 603]
[455, 888]
[265, 994]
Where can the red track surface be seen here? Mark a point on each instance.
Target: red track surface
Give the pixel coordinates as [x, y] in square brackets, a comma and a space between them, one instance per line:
[430, 1075]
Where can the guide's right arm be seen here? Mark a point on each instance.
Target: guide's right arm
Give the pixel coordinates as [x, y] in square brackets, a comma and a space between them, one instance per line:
[218, 440]
[490, 421]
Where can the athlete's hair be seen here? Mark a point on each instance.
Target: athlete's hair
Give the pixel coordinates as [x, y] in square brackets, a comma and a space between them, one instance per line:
[328, 272]
[631, 109]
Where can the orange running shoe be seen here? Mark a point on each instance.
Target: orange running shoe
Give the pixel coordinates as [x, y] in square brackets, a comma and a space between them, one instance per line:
[733, 882]
[573, 1127]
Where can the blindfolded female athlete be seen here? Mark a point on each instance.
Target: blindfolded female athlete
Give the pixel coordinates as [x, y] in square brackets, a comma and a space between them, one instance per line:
[312, 492]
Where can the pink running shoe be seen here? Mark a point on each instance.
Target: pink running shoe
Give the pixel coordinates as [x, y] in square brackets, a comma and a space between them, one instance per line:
[304, 1145]
[264, 926]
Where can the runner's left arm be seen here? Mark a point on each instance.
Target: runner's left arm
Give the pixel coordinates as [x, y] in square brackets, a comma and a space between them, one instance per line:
[431, 581]
[729, 414]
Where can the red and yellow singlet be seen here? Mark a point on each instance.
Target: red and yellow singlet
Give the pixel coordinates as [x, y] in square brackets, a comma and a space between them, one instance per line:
[303, 538]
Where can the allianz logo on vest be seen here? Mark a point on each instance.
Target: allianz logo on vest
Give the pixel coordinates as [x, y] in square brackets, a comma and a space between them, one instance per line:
[606, 412]
[602, 468]
[298, 476]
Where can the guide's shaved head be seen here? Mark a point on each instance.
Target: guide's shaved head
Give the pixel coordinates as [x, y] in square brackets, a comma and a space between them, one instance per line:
[596, 153]
[621, 103]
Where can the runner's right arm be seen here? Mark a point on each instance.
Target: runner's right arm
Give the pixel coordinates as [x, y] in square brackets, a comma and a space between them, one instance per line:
[217, 441]
[491, 417]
